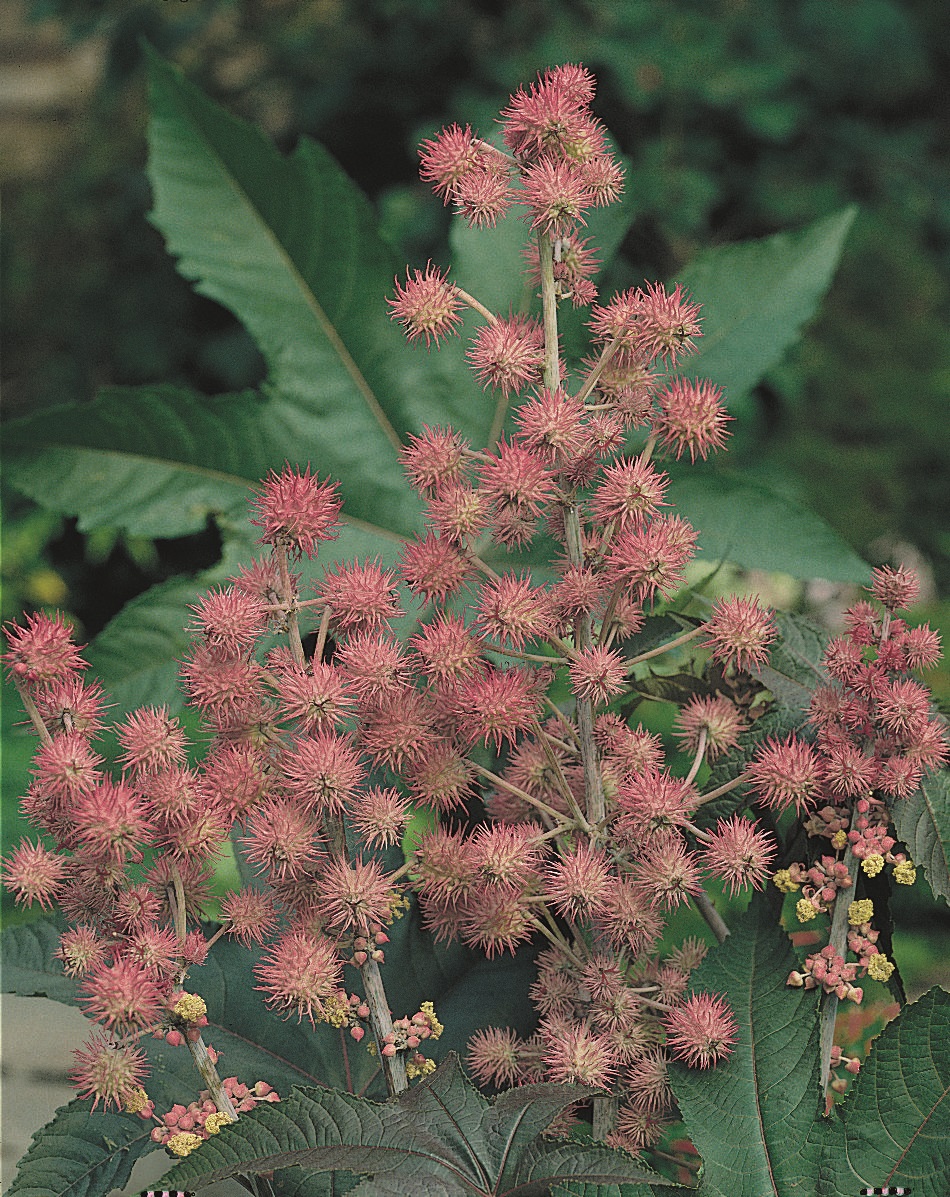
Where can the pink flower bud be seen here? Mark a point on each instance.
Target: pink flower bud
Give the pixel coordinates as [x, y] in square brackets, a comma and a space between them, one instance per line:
[359, 959]
[389, 1049]
[379, 956]
[839, 1085]
[853, 1066]
[174, 1038]
[381, 937]
[357, 1033]
[412, 1041]
[363, 1010]
[795, 979]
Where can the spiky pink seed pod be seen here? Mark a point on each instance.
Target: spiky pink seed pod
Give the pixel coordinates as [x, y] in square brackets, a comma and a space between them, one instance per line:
[297, 510]
[557, 195]
[113, 822]
[497, 706]
[510, 609]
[739, 853]
[361, 595]
[598, 674]
[42, 651]
[34, 874]
[508, 354]
[69, 704]
[667, 873]
[427, 305]
[702, 1031]
[493, 1056]
[354, 896]
[434, 458]
[124, 995]
[448, 158]
[629, 493]
[740, 631]
[787, 773]
[108, 1073]
[691, 417]
[896, 589]
[433, 567]
[667, 324]
[718, 716]
[299, 973]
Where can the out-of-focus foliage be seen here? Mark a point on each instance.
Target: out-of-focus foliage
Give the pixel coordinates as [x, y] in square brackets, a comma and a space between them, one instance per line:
[738, 117]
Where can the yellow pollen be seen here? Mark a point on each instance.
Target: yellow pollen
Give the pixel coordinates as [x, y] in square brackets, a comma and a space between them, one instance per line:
[190, 1007]
[860, 912]
[184, 1143]
[214, 1122]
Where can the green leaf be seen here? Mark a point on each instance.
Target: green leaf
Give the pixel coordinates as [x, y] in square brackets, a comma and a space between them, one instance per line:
[138, 653]
[742, 521]
[488, 263]
[756, 298]
[29, 968]
[290, 245]
[155, 461]
[440, 1137]
[750, 1115]
[81, 1154]
[923, 824]
[795, 665]
[894, 1126]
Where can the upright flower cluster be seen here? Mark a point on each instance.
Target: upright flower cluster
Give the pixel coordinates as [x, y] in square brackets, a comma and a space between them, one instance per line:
[549, 821]
[875, 738]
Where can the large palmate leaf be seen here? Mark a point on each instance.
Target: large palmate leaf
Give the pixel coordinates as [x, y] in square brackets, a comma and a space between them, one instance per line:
[795, 666]
[923, 823]
[894, 1127]
[154, 460]
[749, 1116]
[440, 1138]
[29, 968]
[78, 1154]
[756, 298]
[292, 248]
[742, 521]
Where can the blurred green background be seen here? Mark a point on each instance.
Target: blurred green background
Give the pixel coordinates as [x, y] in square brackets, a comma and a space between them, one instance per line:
[738, 118]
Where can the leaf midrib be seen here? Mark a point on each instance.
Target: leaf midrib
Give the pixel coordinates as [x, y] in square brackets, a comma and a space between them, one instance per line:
[309, 298]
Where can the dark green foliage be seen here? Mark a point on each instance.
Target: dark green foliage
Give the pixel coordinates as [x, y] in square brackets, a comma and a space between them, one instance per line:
[439, 1139]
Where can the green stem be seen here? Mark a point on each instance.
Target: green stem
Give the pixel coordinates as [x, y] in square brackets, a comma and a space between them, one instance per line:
[711, 915]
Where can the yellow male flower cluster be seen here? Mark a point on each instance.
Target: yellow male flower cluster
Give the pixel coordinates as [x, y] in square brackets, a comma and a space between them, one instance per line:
[839, 840]
[184, 1143]
[879, 967]
[190, 1007]
[873, 864]
[905, 873]
[435, 1027]
[419, 1066]
[214, 1122]
[804, 910]
[860, 912]
[134, 1101]
[782, 881]
[336, 1011]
